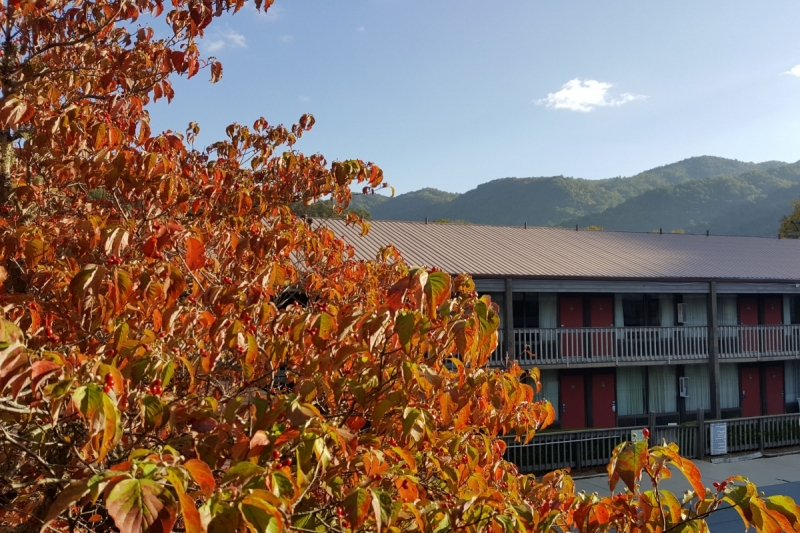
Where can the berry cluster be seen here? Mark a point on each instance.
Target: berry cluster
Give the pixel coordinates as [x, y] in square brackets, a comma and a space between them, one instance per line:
[114, 260]
[155, 388]
[720, 486]
[109, 386]
[286, 461]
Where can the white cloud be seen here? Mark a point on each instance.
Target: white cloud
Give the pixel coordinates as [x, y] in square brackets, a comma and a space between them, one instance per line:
[215, 46]
[361, 29]
[286, 39]
[225, 39]
[794, 71]
[271, 15]
[585, 96]
[303, 98]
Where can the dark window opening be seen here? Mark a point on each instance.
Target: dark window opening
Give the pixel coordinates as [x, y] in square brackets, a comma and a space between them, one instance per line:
[641, 310]
[526, 310]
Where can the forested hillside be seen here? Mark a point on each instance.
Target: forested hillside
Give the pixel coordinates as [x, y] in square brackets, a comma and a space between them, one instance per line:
[701, 193]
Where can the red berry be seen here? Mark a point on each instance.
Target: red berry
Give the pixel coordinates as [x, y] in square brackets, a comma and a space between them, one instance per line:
[107, 389]
[287, 461]
[276, 454]
[157, 382]
[646, 433]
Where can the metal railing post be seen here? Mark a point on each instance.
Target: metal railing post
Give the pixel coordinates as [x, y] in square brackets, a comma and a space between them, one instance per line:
[701, 434]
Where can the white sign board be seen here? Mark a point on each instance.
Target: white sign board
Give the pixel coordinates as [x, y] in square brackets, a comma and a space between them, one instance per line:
[719, 438]
[637, 434]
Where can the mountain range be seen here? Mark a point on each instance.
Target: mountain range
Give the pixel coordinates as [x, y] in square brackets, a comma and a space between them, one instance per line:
[699, 194]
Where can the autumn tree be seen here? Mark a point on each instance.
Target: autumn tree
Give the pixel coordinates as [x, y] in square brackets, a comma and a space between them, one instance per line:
[790, 224]
[178, 350]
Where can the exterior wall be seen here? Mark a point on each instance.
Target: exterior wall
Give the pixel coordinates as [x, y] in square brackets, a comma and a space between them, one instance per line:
[774, 314]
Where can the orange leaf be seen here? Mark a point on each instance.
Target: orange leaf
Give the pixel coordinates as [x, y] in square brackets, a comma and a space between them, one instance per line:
[195, 253]
[201, 474]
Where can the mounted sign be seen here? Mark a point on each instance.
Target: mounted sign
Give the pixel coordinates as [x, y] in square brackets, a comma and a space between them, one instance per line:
[719, 438]
[684, 387]
[637, 435]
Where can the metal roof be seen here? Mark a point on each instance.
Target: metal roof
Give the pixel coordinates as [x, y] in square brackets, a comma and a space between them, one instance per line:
[502, 251]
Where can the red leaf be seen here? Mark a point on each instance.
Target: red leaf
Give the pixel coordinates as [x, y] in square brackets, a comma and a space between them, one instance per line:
[141, 505]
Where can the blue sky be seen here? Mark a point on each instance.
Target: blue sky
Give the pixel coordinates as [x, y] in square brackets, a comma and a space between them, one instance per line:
[451, 94]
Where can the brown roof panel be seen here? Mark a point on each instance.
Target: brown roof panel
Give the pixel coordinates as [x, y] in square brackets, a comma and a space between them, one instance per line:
[565, 253]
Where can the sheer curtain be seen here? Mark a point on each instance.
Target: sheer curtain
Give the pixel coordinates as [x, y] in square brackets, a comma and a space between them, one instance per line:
[630, 391]
[699, 387]
[695, 313]
[548, 306]
[549, 390]
[619, 315]
[727, 315]
[667, 311]
[663, 389]
[729, 385]
[792, 379]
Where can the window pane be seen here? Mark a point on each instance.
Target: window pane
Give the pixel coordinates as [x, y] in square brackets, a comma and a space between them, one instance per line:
[729, 385]
[633, 309]
[630, 391]
[662, 390]
[699, 393]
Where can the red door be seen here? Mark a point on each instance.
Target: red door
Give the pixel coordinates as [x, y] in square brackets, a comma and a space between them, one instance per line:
[604, 398]
[573, 405]
[774, 383]
[602, 316]
[748, 316]
[773, 316]
[570, 310]
[751, 391]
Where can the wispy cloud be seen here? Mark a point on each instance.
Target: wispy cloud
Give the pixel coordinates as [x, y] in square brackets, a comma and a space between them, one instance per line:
[303, 98]
[286, 39]
[586, 96]
[222, 40]
[794, 71]
[361, 29]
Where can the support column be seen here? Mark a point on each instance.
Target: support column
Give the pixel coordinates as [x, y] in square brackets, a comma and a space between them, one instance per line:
[713, 351]
[508, 322]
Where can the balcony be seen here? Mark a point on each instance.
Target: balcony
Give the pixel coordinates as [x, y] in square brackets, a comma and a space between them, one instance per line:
[604, 346]
[759, 342]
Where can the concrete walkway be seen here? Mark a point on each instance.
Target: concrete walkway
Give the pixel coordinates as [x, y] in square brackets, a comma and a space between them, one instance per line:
[773, 475]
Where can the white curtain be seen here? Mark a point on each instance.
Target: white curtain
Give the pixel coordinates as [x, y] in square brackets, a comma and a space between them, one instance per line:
[663, 390]
[667, 312]
[695, 313]
[630, 391]
[699, 387]
[667, 309]
[727, 315]
[619, 316]
[548, 310]
[792, 378]
[728, 385]
[549, 390]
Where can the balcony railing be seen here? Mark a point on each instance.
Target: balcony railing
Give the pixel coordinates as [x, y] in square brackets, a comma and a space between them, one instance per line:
[759, 341]
[576, 346]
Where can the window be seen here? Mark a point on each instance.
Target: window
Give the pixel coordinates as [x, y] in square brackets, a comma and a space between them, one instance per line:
[549, 392]
[729, 386]
[662, 390]
[630, 391]
[526, 310]
[699, 388]
[794, 306]
[641, 310]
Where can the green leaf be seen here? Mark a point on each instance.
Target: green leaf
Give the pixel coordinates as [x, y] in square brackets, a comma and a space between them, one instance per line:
[404, 327]
[627, 461]
[141, 505]
[156, 414]
[437, 289]
[282, 486]
[262, 516]
[356, 507]
[89, 400]
[112, 427]
[242, 472]
[382, 507]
